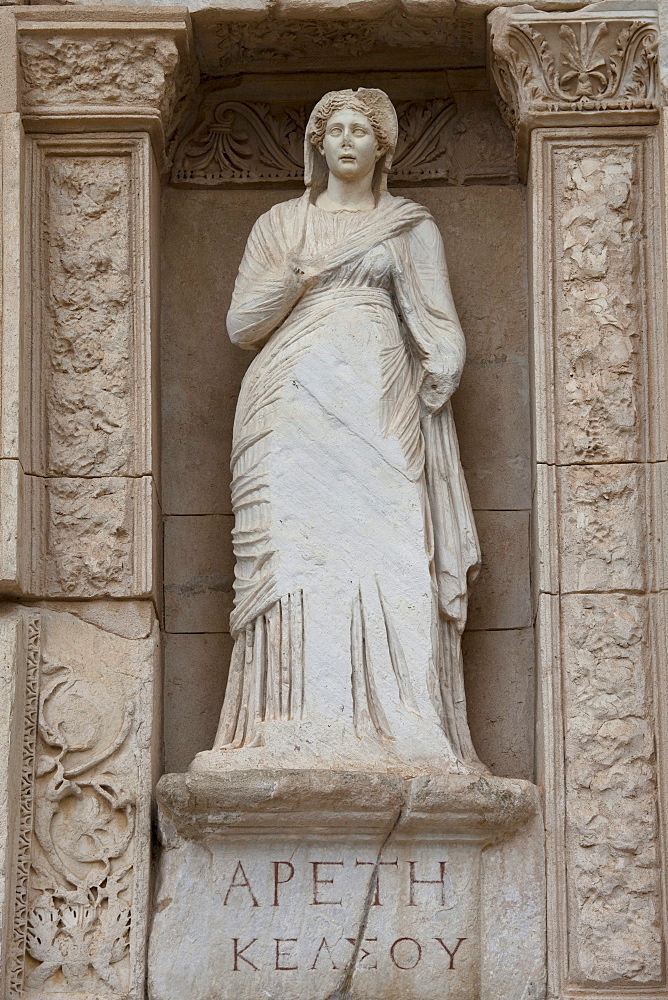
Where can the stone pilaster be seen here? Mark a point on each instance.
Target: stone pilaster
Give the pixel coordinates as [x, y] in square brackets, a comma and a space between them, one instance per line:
[89, 101]
[581, 92]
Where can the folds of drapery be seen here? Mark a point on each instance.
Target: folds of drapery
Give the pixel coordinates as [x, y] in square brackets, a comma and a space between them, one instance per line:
[267, 290]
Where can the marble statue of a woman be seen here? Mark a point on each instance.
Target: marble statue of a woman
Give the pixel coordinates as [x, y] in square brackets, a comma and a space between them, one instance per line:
[354, 538]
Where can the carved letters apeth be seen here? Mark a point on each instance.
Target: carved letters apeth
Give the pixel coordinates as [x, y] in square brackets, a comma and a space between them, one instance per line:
[253, 141]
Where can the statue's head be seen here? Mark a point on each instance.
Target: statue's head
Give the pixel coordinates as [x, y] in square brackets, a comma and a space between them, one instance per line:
[368, 119]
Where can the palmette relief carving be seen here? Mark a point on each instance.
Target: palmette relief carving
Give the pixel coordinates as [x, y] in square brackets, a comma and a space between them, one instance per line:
[600, 303]
[240, 141]
[543, 64]
[611, 792]
[63, 69]
[256, 142]
[82, 861]
[88, 335]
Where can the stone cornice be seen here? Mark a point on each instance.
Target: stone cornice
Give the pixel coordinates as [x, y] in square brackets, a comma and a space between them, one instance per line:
[105, 69]
[587, 67]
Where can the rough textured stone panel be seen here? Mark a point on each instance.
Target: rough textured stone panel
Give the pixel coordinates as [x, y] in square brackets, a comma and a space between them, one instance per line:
[88, 335]
[612, 836]
[602, 527]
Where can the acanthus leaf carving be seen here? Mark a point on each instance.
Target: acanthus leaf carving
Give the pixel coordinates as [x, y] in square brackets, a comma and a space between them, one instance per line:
[257, 142]
[551, 64]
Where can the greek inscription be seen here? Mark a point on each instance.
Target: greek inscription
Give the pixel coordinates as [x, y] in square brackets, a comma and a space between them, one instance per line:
[278, 865]
[414, 881]
[376, 897]
[323, 946]
[244, 884]
[410, 955]
[318, 881]
[239, 954]
[282, 955]
[453, 952]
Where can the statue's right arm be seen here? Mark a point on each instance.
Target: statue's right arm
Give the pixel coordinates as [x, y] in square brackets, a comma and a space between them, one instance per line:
[268, 286]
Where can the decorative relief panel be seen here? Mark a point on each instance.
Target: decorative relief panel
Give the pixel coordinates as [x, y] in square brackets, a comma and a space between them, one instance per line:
[88, 334]
[603, 527]
[582, 63]
[91, 341]
[80, 911]
[612, 835]
[274, 44]
[601, 355]
[235, 141]
[600, 302]
[105, 68]
[93, 537]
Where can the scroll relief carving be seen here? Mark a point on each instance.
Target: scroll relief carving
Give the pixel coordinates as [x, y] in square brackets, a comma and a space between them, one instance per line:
[63, 69]
[546, 64]
[80, 890]
[237, 141]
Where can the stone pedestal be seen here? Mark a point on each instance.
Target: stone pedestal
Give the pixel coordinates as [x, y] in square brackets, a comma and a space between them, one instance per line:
[307, 885]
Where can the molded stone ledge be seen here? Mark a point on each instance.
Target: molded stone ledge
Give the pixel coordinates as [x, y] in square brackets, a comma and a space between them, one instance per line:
[202, 805]
[123, 69]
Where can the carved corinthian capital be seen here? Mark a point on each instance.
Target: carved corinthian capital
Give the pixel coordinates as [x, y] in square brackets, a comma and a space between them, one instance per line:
[118, 72]
[588, 67]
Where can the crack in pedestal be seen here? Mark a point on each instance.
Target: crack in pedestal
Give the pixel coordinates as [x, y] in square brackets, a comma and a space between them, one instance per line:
[342, 992]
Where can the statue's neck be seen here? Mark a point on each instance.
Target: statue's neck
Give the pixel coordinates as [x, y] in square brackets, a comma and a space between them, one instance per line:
[348, 195]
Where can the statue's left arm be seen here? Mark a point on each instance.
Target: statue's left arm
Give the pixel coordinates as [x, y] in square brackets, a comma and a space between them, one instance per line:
[425, 299]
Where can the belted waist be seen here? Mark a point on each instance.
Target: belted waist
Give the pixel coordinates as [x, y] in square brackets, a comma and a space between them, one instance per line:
[362, 295]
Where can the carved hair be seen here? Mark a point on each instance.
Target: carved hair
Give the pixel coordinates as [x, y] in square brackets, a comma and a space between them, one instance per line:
[337, 100]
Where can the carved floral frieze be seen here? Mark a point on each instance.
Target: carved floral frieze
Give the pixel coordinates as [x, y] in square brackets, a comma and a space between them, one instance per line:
[80, 898]
[572, 69]
[80, 901]
[237, 142]
[273, 43]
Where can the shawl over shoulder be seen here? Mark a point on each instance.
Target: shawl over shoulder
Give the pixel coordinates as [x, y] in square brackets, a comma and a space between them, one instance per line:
[268, 287]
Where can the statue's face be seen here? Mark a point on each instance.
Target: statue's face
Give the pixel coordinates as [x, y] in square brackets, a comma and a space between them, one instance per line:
[349, 145]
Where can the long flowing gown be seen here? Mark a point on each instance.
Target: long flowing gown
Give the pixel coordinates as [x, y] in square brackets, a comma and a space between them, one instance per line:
[354, 538]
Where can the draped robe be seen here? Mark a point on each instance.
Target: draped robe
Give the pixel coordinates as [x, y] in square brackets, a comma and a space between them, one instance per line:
[354, 538]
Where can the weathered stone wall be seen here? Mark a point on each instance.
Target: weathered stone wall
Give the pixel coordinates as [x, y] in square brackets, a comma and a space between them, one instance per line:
[204, 233]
